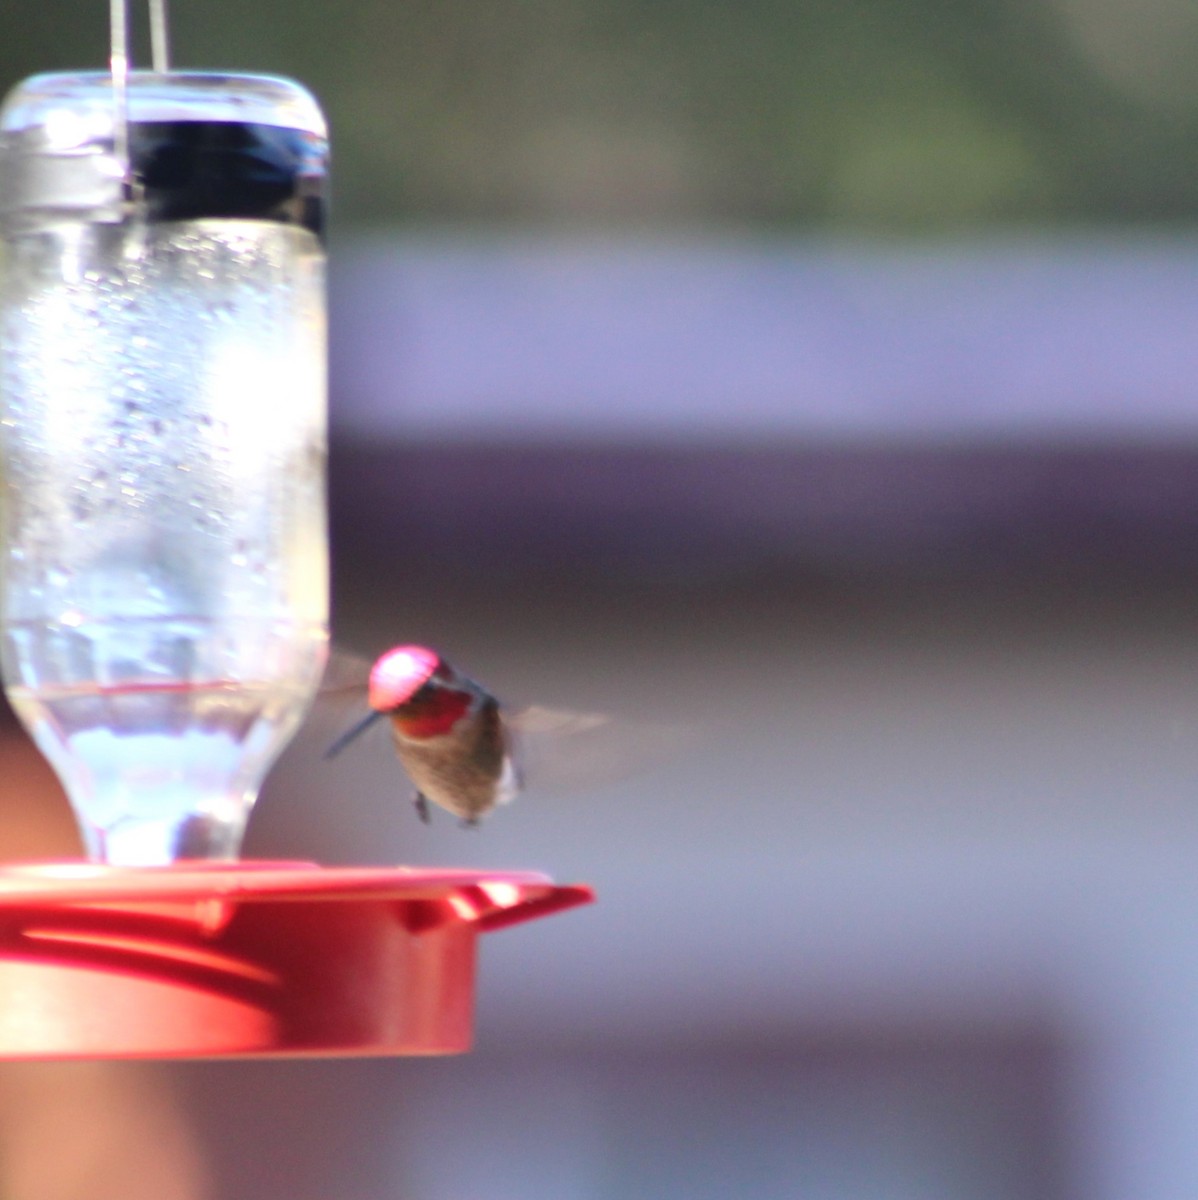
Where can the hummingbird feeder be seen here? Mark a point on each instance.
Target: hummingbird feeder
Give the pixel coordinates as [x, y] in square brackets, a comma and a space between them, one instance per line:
[164, 610]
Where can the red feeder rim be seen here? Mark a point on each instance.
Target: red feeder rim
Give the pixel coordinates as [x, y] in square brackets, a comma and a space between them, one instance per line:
[249, 958]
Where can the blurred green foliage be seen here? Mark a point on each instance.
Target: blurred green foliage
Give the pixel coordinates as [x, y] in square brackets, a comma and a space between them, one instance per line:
[867, 115]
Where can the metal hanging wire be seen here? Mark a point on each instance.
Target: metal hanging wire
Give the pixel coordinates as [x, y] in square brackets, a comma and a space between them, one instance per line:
[160, 50]
[119, 65]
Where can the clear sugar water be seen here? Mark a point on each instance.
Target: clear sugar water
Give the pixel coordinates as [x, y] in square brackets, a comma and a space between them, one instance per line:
[162, 411]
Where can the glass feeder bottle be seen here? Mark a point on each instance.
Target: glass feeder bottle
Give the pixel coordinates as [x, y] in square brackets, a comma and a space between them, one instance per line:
[163, 614]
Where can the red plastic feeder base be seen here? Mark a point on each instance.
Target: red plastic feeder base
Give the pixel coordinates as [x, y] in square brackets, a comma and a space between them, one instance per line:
[204, 960]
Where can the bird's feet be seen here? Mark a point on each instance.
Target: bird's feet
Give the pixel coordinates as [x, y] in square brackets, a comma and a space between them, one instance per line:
[420, 803]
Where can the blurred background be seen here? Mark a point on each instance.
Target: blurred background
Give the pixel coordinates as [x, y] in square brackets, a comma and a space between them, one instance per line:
[819, 377]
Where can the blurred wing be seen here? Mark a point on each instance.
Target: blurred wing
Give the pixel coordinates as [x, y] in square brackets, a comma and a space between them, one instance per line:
[536, 721]
[345, 673]
[340, 702]
[559, 751]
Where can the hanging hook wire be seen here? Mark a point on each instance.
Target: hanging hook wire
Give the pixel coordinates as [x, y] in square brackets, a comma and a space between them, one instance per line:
[160, 49]
[118, 62]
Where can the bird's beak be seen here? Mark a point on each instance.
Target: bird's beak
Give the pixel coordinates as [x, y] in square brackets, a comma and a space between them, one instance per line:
[352, 732]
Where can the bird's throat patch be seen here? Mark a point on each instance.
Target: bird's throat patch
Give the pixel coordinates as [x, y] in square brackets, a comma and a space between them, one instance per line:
[435, 714]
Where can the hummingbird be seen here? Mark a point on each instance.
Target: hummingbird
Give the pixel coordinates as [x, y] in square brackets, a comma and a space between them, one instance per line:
[449, 733]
